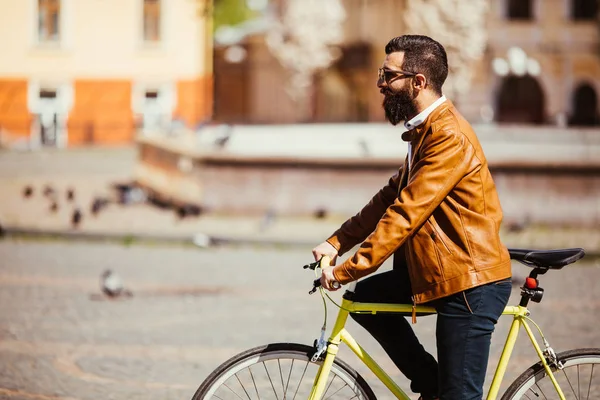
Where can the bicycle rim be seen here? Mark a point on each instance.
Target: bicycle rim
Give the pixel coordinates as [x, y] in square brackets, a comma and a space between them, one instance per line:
[579, 379]
[280, 371]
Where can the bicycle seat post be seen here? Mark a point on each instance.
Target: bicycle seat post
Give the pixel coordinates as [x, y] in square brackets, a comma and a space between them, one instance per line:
[531, 289]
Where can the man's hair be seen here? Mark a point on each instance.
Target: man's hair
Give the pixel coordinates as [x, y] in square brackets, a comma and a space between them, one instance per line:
[422, 55]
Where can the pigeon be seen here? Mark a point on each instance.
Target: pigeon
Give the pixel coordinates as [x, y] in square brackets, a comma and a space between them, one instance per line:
[76, 218]
[267, 220]
[202, 240]
[98, 204]
[320, 213]
[517, 225]
[188, 210]
[48, 191]
[111, 284]
[70, 194]
[28, 191]
[364, 148]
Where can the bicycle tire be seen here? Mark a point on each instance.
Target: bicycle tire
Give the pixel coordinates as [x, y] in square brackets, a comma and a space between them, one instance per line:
[246, 382]
[579, 379]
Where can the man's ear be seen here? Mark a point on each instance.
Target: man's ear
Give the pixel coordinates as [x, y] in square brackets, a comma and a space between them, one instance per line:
[420, 82]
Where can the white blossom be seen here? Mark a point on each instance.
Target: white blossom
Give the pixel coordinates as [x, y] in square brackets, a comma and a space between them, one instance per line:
[304, 40]
[460, 26]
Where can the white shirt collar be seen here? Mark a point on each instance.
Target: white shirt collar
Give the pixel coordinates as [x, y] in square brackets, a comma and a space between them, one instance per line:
[422, 116]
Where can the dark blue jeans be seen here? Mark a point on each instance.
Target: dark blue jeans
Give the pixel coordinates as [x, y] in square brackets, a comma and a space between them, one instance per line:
[465, 323]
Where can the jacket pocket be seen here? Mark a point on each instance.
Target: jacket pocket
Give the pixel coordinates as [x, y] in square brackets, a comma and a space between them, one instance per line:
[424, 262]
[438, 237]
[450, 261]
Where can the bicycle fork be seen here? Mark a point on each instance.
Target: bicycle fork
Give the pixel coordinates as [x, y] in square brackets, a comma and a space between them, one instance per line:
[323, 373]
[331, 350]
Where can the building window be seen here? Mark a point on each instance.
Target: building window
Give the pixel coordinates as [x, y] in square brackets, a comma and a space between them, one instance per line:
[585, 107]
[584, 10]
[520, 100]
[151, 20]
[48, 20]
[519, 10]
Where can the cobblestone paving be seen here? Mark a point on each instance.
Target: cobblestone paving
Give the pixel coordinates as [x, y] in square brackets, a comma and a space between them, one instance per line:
[192, 309]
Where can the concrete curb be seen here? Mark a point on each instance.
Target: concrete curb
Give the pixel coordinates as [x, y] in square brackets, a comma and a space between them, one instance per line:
[200, 240]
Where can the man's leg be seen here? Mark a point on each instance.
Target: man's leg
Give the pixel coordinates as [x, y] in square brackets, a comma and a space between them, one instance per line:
[393, 331]
[465, 324]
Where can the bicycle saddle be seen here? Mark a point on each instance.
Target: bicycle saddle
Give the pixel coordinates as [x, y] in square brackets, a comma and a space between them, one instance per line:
[549, 259]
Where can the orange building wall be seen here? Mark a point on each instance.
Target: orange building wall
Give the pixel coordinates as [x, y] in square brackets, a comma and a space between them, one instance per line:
[194, 100]
[15, 118]
[101, 113]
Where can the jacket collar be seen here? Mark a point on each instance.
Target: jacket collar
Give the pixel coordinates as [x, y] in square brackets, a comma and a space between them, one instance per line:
[418, 131]
[422, 116]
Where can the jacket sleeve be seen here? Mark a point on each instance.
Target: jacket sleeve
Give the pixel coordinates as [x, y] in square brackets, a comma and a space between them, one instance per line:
[444, 159]
[357, 228]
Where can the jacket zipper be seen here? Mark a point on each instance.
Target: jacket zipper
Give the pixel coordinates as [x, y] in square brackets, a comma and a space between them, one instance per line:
[414, 310]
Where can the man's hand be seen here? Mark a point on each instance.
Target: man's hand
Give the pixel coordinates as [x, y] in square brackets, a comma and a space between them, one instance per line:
[327, 278]
[325, 249]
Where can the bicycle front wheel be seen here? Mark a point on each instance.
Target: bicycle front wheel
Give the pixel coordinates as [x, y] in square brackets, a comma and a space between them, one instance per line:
[579, 378]
[280, 371]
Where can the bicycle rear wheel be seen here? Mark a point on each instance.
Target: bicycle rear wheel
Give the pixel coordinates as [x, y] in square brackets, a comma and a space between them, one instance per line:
[280, 371]
[579, 379]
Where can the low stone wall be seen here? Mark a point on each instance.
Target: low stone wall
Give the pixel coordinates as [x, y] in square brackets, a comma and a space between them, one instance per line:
[543, 176]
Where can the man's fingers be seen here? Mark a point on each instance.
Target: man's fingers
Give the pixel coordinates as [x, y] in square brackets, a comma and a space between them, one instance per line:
[316, 255]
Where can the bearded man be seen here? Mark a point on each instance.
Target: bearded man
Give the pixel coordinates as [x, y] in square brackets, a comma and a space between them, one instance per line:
[439, 216]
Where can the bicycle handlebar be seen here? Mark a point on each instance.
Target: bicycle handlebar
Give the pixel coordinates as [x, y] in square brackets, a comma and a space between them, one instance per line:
[323, 262]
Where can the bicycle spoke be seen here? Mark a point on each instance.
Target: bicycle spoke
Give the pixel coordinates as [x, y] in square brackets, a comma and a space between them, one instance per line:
[590, 385]
[287, 383]
[270, 380]
[232, 391]
[569, 382]
[281, 377]
[337, 391]
[254, 382]
[242, 385]
[328, 386]
[578, 384]
[541, 391]
[300, 381]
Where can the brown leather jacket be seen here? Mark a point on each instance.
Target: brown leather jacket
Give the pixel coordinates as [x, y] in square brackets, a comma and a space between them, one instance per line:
[445, 212]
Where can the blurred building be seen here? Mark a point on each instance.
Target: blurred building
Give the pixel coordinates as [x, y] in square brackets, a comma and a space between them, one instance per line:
[541, 66]
[83, 72]
[78, 72]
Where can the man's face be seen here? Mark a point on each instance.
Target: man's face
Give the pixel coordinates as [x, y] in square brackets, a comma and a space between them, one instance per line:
[396, 87]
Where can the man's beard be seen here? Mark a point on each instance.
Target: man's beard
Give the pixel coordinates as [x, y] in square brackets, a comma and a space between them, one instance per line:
[398, 106]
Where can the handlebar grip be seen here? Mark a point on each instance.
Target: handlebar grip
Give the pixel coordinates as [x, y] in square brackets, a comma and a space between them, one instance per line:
[325, 261]
[334, 284]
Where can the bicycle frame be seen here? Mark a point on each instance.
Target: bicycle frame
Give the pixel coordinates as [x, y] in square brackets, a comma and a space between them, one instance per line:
[340, 335]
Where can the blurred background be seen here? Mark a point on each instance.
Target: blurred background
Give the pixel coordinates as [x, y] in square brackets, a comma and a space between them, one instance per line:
[177, 145]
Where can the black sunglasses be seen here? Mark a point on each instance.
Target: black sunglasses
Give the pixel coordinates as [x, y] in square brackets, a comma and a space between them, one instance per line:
[389, 75]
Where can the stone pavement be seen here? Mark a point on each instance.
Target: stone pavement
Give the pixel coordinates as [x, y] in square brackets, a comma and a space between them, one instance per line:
[192, 309]
[90, 173]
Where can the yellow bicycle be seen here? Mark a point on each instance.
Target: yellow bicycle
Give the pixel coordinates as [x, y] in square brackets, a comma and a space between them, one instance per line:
[296, 371]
